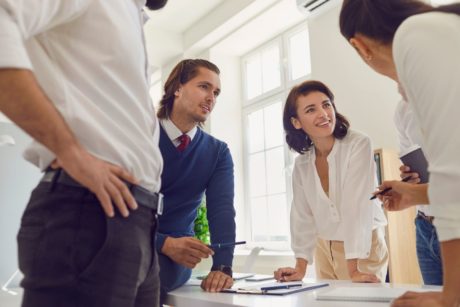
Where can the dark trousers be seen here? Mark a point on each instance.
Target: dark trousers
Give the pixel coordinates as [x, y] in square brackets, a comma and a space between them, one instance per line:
[72, 255]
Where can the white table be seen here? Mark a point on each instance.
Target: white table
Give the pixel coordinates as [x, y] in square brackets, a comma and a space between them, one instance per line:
[10, 300]
[193, 296]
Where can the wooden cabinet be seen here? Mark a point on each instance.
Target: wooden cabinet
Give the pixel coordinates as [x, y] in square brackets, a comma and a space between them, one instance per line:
[400, 235]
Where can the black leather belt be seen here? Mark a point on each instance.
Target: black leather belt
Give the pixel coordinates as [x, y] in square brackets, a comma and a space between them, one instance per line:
[427, 218]
[143, 196]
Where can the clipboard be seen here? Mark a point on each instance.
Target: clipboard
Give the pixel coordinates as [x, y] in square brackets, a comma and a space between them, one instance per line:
[417, 162]
[248, 289]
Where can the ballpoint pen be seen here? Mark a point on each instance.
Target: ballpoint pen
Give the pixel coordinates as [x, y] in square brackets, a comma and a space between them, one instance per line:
[280, 287]
[220, 245]
[406, 179]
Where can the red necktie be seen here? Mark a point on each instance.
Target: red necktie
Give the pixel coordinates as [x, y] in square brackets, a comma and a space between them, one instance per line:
[184, 141]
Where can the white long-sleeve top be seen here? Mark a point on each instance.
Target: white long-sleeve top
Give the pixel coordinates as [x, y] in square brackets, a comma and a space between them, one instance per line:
[346, 214]
[89, 58]
[410, 136]
[426, 51]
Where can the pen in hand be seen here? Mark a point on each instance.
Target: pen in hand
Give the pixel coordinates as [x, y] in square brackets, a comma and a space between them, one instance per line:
[220, 245]
[406, 179]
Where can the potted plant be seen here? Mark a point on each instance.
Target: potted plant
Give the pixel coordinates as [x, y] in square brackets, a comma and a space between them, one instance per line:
[201, 224]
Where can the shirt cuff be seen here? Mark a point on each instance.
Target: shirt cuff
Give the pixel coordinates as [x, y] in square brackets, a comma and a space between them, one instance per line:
[309, 258]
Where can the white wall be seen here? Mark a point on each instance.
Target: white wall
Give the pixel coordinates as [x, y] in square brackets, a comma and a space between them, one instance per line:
[226, 124]
[3, 118]
[17, 179]
[367, 99]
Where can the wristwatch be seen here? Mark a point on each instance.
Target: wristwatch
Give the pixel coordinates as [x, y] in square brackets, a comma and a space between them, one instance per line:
[224, 269]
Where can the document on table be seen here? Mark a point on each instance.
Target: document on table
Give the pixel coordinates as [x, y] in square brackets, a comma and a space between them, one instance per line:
[366, 294]
[274, 288]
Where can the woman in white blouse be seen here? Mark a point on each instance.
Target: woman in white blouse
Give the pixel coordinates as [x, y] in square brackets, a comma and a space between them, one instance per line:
[333, 178]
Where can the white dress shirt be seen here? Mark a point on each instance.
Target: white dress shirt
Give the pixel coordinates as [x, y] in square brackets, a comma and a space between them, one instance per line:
[409, 134]
[174, 133]
[426, 50]
[89, 58]
[346, 214]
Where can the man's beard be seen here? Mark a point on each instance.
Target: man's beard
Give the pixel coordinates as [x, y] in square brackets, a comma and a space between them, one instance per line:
[155, 4]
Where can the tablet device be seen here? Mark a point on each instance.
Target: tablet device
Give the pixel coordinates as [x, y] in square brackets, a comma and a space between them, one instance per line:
[417, 162]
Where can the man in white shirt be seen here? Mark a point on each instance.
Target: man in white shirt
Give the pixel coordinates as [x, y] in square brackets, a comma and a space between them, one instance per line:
[73, 74]
[428, 246]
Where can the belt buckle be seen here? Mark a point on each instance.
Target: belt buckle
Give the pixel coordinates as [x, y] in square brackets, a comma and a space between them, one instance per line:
[160, 204]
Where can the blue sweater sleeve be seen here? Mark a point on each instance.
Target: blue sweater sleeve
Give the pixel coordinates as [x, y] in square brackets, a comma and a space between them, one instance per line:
[160, 241]
[220, 209]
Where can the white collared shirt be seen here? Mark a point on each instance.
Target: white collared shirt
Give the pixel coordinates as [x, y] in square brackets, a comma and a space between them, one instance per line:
[409, 135]
[346, 214]
[174, 133]
[90, 59]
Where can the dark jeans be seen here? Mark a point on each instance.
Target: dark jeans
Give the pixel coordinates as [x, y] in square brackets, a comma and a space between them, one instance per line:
[72, 255]
[428, 252]
[172, 275]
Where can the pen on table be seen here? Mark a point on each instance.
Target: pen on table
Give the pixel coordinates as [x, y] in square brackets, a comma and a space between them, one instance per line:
[406, 179]
[219, 245]
[280, 287]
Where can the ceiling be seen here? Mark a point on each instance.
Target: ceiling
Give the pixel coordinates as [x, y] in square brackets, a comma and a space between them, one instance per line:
[191, 27]
[178, 15]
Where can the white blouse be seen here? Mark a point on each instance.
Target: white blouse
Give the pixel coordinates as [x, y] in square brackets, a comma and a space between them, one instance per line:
[426, 50]
[346, 214]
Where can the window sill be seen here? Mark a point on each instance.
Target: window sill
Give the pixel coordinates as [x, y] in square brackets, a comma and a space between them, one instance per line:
[264, 252]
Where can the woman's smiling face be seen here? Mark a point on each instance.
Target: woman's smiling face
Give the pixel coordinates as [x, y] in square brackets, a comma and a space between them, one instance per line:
[315, 115]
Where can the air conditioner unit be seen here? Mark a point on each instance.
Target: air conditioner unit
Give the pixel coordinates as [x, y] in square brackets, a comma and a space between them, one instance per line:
[314, 8]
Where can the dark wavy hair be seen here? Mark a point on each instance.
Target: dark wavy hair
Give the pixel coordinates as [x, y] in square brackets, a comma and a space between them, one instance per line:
[379, 19]
[297, 139]
[183, 72]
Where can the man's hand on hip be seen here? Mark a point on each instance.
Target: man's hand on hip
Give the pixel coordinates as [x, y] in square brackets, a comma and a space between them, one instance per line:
[187, 251]
[102, 178]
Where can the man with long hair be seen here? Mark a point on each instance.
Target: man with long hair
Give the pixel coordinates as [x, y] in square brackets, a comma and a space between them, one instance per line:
[195, 164]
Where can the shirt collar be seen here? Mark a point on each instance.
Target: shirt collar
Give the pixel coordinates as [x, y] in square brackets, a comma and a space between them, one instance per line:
[173, 132]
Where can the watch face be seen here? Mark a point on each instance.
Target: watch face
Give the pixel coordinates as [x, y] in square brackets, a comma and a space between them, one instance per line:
[224, 269]
[227, 270]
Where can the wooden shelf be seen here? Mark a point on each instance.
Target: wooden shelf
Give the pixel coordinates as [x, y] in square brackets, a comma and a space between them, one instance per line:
[400, 233]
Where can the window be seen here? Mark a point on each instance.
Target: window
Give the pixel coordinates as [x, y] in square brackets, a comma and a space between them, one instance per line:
[268, 74]
[263, 72]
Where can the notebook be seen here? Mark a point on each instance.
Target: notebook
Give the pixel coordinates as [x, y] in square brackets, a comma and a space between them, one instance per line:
[365, 294]
[417, 162]
[291, 287]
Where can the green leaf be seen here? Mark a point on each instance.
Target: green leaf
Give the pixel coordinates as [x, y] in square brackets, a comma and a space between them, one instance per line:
[201, 224]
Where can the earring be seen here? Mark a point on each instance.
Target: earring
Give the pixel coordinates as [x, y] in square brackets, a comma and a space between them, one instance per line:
[368, 58]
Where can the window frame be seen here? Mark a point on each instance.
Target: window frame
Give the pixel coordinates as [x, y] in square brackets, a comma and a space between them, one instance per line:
[257, 103]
